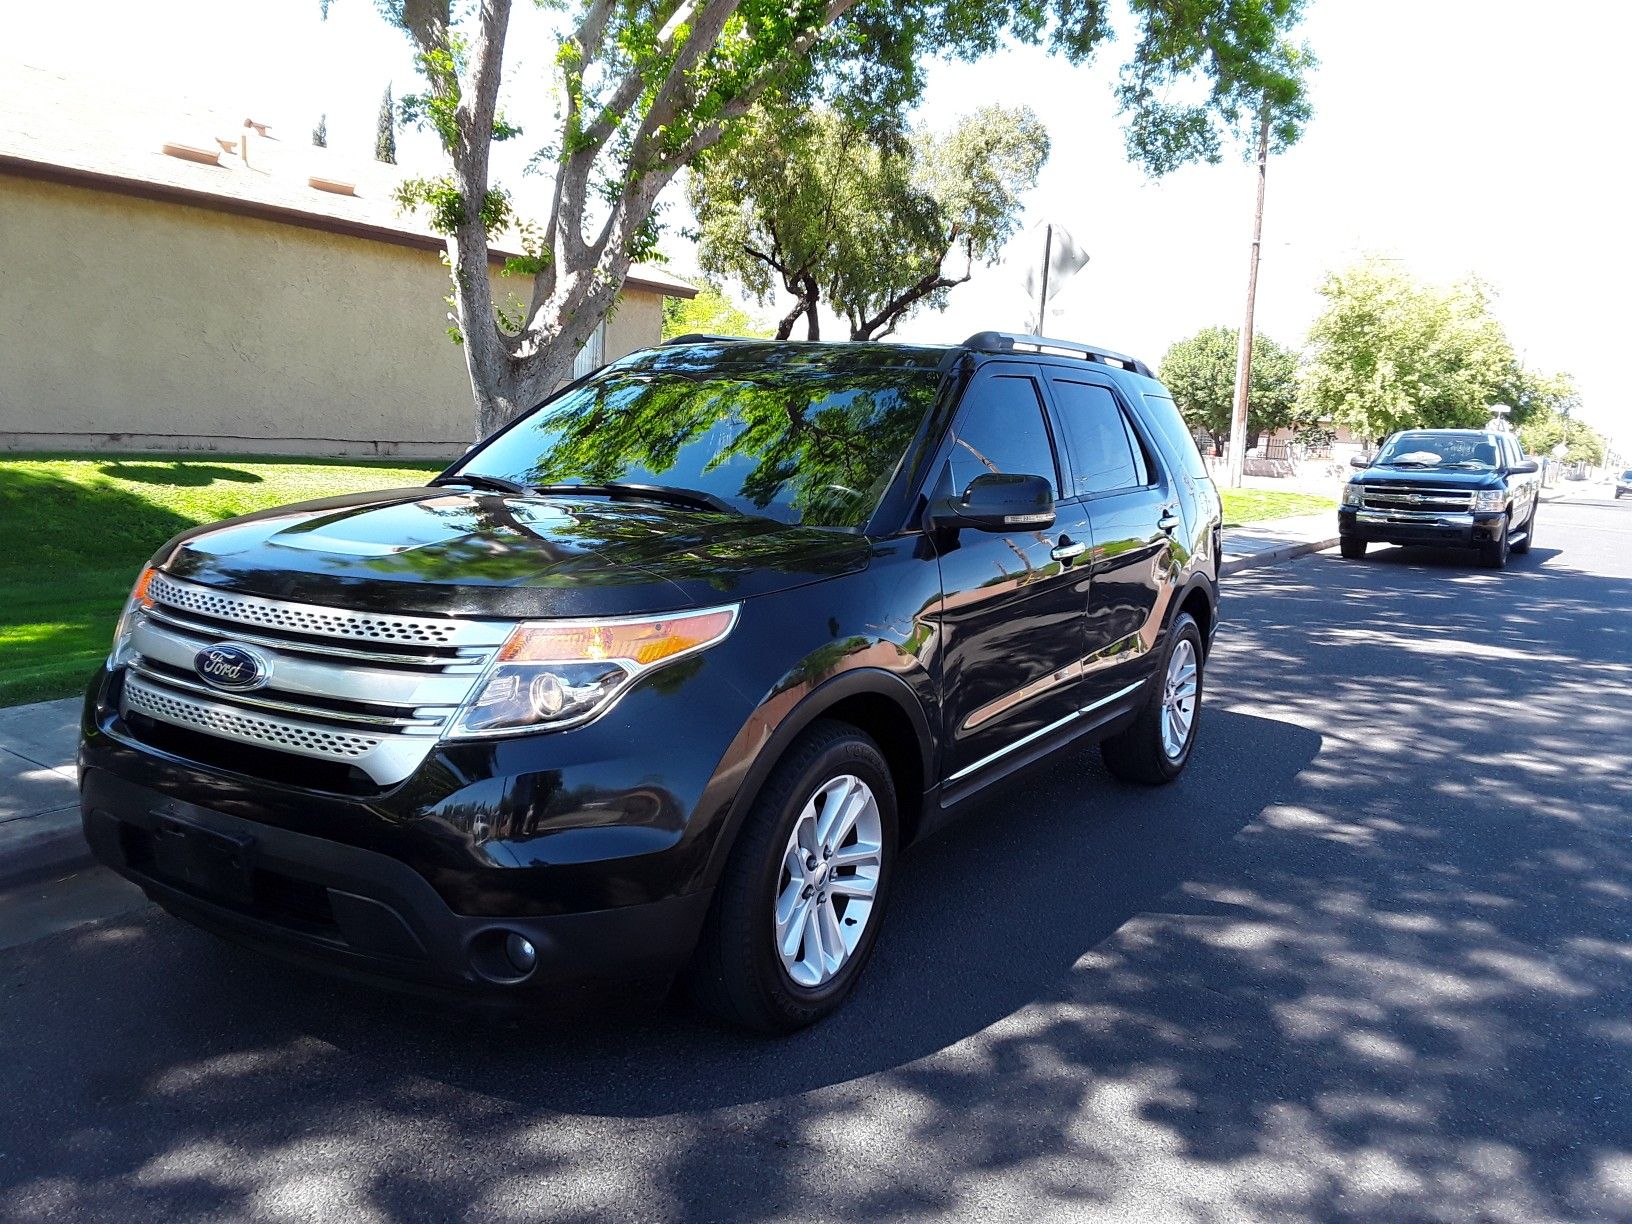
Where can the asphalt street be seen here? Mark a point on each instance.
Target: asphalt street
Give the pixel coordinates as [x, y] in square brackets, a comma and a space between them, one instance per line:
[1371, 958]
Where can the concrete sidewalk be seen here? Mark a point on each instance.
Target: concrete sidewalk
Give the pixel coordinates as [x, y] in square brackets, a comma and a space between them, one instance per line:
[1273, 540]
[39, 790]
[39, 796]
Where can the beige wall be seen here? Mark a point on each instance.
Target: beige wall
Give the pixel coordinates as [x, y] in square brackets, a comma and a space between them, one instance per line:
[129, 324]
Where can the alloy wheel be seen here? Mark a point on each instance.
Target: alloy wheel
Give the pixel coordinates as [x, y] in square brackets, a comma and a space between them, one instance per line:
[1179, 690]
[829, 880]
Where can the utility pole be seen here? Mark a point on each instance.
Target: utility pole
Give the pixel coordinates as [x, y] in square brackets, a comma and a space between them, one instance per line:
[1243, 351]
[1042, 302]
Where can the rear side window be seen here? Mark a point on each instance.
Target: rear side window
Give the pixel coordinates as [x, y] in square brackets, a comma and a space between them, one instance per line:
[1162, 414]
[1001, 429]
[1105, 454]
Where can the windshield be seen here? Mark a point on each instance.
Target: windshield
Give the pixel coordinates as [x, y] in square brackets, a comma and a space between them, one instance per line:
[1440, 450]
[808, 446]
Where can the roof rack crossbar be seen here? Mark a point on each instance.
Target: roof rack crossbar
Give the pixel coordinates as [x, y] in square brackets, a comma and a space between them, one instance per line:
[701, 338]
[1008, 342]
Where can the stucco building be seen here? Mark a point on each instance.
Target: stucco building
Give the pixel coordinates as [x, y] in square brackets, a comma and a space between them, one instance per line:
[175, 280]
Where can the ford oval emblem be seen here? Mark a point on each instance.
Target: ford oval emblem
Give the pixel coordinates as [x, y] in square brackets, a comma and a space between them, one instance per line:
[231, 666]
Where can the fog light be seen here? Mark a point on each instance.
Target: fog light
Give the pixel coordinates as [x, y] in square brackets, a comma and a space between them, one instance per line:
[520, 952]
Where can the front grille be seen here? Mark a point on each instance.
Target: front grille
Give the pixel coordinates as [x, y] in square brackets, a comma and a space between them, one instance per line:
[300, 618]
[282, 733]
[1396, 496]
[350, 688]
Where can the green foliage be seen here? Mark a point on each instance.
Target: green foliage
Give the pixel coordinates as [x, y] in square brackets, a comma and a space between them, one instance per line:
[1256, 505]
[385, 130]
[447, 204]
[1204, 72]
[1390, 353]
[807, 202]
[710, 313]
[1200, 372]
[1552, 422]
[320, 133]
[83, 524]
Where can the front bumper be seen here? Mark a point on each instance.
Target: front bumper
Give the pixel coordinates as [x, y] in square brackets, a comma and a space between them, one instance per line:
[357, 911]
[1468, 530]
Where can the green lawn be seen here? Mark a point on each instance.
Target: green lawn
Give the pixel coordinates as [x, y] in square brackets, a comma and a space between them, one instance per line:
[1255, 505]
[77, 529]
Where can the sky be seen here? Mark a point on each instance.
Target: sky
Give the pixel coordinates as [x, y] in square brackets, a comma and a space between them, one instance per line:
[1459, 137]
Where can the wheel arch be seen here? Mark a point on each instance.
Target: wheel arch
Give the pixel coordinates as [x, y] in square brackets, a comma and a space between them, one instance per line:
[876, 702]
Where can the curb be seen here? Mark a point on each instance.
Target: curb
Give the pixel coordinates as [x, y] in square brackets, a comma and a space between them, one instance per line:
[1272, 555]
[33, 846]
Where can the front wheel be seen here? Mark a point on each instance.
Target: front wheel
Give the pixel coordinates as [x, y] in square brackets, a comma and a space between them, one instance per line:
[1494, 552]
[799, 904]
[1153, 748]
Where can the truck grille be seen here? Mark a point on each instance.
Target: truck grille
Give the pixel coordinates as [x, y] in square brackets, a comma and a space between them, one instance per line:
[348, 687]
[1396, 496]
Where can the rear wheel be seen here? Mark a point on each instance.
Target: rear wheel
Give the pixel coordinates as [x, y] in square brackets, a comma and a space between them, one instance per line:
[1154, 748]
[1351, 548]
[1494, 552]
[799, 904]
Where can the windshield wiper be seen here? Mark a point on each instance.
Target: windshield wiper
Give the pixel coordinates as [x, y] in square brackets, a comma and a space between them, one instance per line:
[480, 480]
[1473, 463]
[695, 499]
[1405, 463]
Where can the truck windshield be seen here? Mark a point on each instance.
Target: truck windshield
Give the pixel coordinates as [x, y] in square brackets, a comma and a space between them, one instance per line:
[1440, 450]
[809, 446]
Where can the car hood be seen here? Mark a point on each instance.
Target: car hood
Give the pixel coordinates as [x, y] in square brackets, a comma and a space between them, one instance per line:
[452, 551]
[1449, 478]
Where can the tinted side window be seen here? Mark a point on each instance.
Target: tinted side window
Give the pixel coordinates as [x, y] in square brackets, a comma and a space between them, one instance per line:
[1163, 415]
[1104, 453]
[1001, 429]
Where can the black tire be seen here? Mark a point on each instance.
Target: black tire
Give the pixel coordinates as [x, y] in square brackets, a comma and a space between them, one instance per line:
[1523, 546]
[1136, 753]
[737, 974]
[1493, 555]
[1351, 548]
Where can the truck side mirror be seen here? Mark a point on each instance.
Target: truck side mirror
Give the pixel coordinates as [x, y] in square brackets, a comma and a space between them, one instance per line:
[1359, 461]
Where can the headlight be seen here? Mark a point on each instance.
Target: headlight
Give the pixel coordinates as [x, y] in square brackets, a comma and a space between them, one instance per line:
[1353, 494]
[553, 674]
[1490, 499]
[138, 602]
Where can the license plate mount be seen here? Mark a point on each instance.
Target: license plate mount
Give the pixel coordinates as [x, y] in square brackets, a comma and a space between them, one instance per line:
[206, 861]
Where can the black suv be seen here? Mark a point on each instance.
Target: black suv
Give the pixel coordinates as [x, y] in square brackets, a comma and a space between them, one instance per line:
[661, 677]
[1462, 488]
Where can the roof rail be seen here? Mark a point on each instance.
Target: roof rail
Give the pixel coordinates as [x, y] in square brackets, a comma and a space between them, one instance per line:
[702, 338]
[1008, 342]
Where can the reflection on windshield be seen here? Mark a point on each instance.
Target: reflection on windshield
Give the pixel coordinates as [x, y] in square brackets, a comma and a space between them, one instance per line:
[808, 446]
[1441, 450]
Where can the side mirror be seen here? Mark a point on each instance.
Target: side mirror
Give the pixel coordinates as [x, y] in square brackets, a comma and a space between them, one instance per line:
[1359, 461]
[1519, 469]
[999, 501]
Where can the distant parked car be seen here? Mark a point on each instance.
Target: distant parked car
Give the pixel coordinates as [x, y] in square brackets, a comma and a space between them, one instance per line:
[1465, 488]
[1623, 484]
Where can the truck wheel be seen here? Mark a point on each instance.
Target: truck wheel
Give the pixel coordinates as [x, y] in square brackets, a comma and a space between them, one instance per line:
[1494, 553]
[1523, 546]
[798, 907]
[1154, 747]
[1351, 548]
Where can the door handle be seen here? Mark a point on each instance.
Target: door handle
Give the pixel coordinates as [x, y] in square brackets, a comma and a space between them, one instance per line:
[1067, 551]
[1169, 522]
